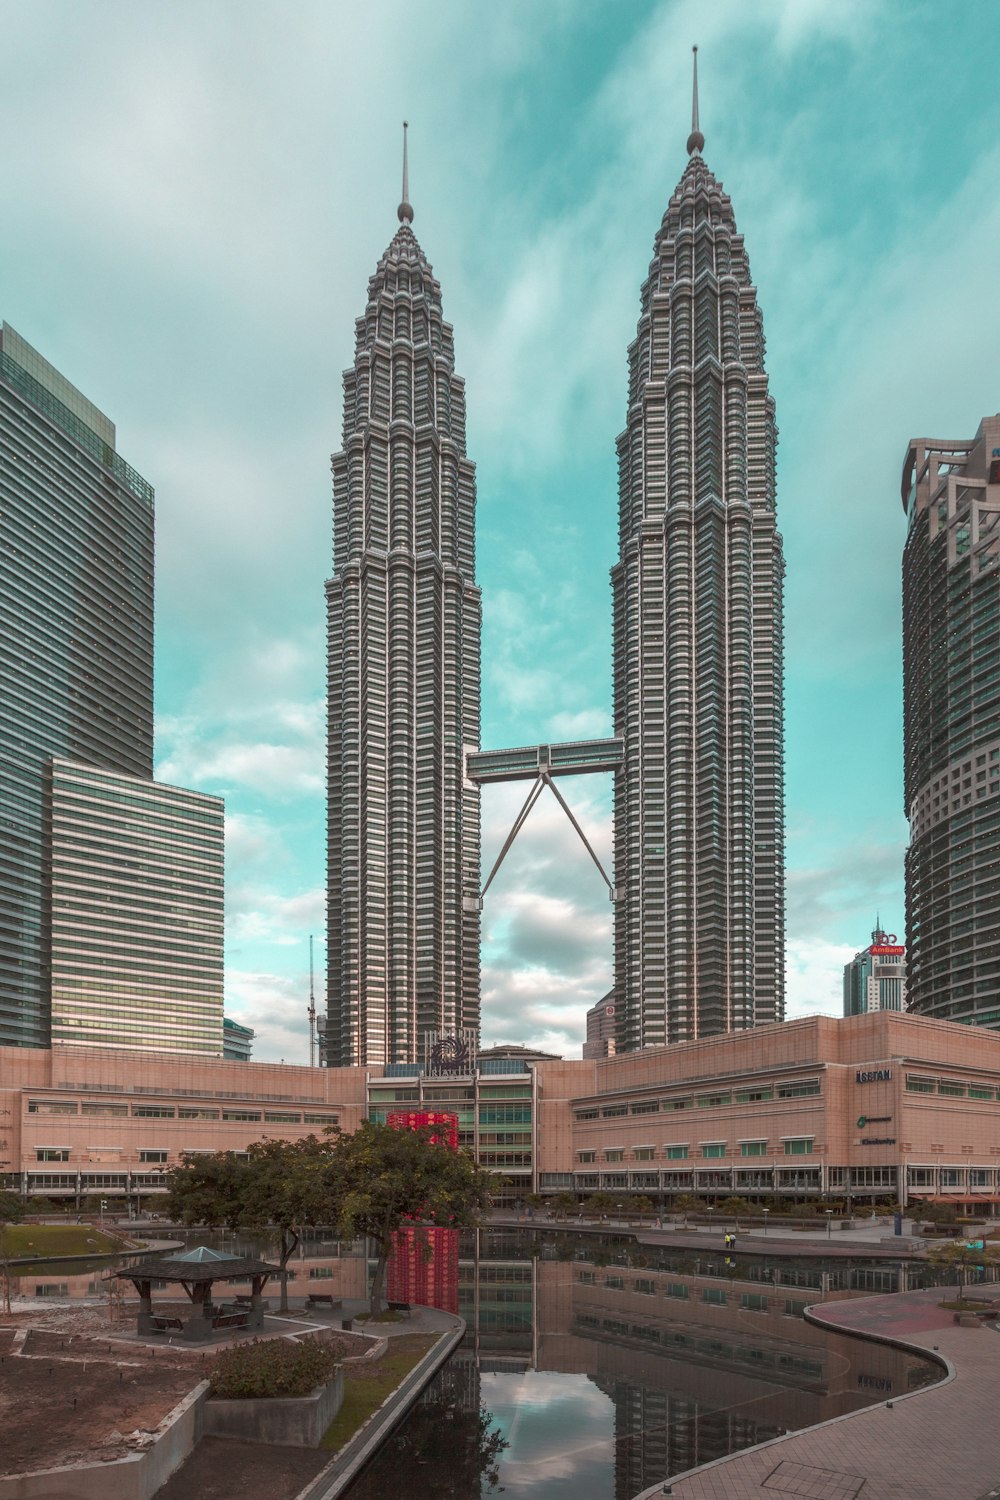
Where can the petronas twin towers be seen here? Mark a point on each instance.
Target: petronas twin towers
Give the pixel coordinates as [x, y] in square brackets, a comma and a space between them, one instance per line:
[699, 861]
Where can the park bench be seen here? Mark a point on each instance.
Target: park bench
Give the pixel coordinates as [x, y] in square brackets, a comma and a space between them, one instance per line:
[327, 1299]
[230, 1320]
[160, 1325]
[244, 1299]
[400, 1307]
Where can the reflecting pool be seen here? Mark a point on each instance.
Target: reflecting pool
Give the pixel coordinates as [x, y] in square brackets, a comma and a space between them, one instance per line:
[594, 1367]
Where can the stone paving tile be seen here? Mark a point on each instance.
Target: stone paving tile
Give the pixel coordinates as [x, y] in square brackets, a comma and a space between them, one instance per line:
[940, 1444]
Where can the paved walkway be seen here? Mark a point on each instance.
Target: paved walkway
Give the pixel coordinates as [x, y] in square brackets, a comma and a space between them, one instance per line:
[937, 1444]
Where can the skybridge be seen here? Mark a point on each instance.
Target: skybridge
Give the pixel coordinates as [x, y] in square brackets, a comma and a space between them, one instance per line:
[541, 765]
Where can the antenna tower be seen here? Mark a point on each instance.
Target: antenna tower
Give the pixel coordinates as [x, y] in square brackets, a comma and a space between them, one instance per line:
[312, 1009]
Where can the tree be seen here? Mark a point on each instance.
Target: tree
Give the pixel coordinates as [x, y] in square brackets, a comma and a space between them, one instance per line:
[380, 1179]
[278, 1184]
[960, 1258]
[642, 1206]
[685, 1204]
[11, 1212]
[599, 1205]
[563, 1204]
[733, 1207]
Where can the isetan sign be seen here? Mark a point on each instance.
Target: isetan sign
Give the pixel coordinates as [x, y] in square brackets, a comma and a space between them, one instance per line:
[873, 1075]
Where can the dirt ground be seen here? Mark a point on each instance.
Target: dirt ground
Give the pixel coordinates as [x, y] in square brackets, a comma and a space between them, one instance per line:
[102, 1392]
[70, 1397]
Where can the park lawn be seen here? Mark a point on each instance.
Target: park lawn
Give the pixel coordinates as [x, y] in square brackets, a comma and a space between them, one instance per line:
[18, 1241]
[368, 1383]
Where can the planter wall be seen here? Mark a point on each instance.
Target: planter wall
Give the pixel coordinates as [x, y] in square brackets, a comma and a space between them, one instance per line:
[137, 1477]
[292, 1421]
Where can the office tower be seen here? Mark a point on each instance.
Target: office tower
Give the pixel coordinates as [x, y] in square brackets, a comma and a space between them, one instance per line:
[699, 821]
[403, 683]
[875, 979]
[951, 725]
[76, 641]
[601, 1028]
[110, 883]
[237, 1040]
[137, 871]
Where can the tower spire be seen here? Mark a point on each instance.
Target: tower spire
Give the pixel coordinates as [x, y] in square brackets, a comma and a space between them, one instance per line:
[405, 210]
[695, 140]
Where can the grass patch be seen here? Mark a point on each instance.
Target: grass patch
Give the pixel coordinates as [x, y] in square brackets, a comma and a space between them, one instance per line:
[20, 1240]
[388, 1316]
[366, 1387]
[979, 1304]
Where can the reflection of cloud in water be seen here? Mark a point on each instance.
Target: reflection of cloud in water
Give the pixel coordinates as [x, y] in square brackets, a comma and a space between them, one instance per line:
[560, 1429]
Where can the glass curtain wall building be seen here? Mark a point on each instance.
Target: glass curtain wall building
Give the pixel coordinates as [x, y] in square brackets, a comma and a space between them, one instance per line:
[137, 872]
[699, 819]
[404, 620]
[951, 725]
[76, 641]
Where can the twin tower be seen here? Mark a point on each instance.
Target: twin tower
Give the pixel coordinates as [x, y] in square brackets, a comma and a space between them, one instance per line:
[698, 882]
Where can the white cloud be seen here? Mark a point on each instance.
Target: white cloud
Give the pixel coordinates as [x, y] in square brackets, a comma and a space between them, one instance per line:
[814, 976]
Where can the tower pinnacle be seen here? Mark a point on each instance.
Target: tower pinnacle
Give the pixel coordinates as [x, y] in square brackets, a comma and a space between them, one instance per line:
[695, 140]
[405, 210]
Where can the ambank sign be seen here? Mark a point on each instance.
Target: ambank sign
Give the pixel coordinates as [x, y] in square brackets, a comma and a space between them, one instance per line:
[873, 1075]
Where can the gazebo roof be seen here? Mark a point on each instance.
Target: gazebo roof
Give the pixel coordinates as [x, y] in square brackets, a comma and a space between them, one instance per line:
[199, 1264]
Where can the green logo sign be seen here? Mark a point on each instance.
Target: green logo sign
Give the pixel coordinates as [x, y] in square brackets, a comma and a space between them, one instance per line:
[862, 1121]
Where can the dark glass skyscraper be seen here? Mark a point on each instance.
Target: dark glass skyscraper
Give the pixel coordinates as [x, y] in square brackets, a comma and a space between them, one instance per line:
[76, 641]
[951, 725]
[403, 683]
[699, 820]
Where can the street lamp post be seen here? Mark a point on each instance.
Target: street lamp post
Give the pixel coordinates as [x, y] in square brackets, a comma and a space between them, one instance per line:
[104, 1204]
[765, 1212]
[829, 1217]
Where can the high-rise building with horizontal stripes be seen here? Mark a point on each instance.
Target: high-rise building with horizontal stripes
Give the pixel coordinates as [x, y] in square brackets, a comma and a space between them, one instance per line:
[136, 874]
[110, 884]
[76, 641]
[404, 620]
[699, 845]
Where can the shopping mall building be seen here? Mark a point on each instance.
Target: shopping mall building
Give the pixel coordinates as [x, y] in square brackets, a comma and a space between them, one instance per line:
[878, 1106]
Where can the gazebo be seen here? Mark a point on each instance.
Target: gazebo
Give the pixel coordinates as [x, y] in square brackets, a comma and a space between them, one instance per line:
[196, 1271]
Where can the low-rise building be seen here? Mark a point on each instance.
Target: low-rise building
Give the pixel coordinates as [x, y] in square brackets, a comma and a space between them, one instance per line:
[883, 1106]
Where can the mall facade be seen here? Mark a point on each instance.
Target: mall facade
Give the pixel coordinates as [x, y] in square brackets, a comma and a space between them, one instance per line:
[874, 1107]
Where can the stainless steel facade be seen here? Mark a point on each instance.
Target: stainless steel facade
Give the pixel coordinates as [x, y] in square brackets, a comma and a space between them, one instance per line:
[699, 821]
[76, 641]
[404, 619]
[951, 725]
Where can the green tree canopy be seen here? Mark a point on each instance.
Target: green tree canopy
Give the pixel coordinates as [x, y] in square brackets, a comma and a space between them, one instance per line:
[960, 1259]
[278, 1184]
[380, 1179]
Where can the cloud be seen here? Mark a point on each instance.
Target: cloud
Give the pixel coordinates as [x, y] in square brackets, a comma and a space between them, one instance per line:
[814, 976]
[275, 1005]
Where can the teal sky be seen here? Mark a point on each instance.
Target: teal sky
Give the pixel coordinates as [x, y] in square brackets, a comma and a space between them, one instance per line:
[193, 197]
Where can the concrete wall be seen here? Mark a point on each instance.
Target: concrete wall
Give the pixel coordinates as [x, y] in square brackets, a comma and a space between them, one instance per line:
[293, 1422]
[137, 1477]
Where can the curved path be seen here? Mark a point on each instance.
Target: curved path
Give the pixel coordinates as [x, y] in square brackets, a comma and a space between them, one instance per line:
[941, 1443]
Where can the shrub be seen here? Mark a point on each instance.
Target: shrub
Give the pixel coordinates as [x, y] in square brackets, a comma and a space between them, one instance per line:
[272, 1367]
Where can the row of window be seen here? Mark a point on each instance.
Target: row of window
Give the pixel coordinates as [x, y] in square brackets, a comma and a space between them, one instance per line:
[951, 1088]
[707, 1150]
[62, 1153]
[802, 1088]
[106, 1110]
